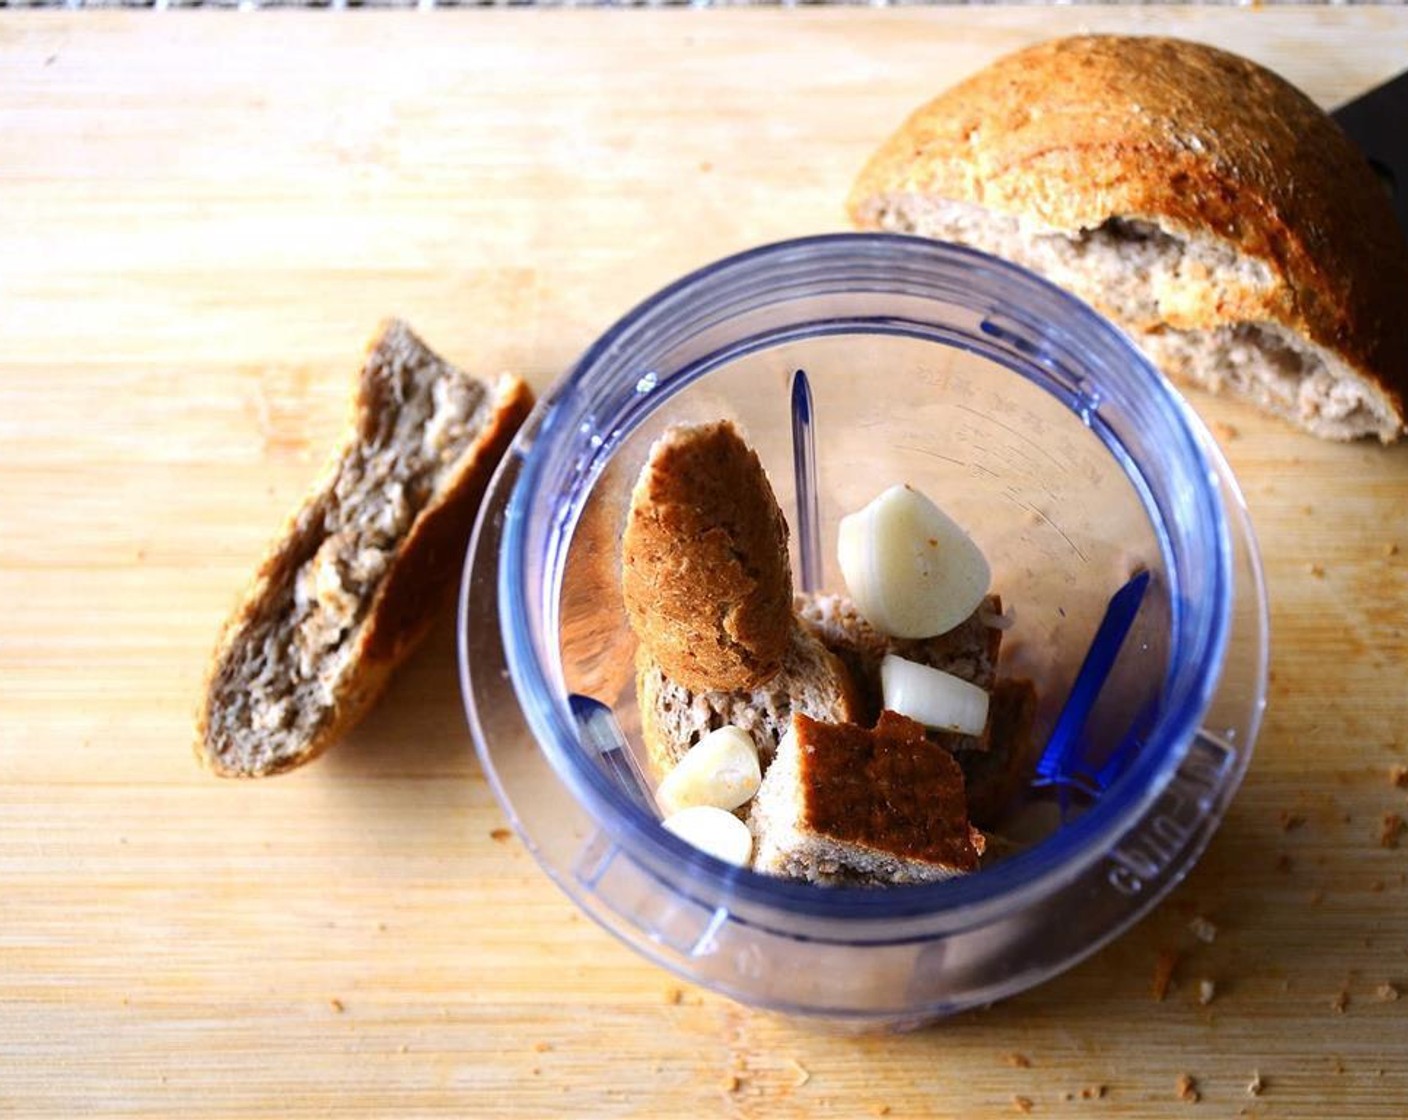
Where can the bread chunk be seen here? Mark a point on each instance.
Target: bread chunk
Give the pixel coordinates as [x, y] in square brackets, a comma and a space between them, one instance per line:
[997, 763]
[1196, 199]
[841, 804]
[355, 580]
[970, 650]
[673, 717]
[994, 777]
[705, 572]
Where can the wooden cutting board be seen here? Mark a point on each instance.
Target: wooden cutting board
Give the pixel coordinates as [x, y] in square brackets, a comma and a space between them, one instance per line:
[202, 217]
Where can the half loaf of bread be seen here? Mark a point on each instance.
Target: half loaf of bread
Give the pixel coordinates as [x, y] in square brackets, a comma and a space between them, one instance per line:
[1196, 199]
[353, 584]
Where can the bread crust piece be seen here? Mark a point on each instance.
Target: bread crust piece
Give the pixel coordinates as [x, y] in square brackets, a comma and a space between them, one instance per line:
[1076, 133]
[415, 557]
[705, 571]
[845, 805]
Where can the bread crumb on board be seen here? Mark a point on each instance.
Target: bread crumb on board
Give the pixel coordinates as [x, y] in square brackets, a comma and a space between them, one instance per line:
[1018, 1061]
[1398, 776]
[1340, 1003]
[1386, 992]
[1390, 830]
[803, 1074]
[337, 1005]
[1187, 1089]
[674, 995]
[1225, 431]
[1317, 571]
[1164, 967]
[1022, 1104]
[880, 1110]
[1256, 1086]
[1291, 820]
[499, 834]
[1391, 548]
[1203, 930]
[1094, 1092]
[1206, 990]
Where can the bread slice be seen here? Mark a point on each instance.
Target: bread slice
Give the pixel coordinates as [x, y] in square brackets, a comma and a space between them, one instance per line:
[673, 717]
[994, 777]
[970, 650]
[361, 568]
[841, 804]
[705, 571]
[995, 764]
[1196, 199]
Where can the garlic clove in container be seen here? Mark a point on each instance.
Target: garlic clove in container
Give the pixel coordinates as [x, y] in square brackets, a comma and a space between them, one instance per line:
[715, 832]
[721, 770]
[932, 697]
[911, 569]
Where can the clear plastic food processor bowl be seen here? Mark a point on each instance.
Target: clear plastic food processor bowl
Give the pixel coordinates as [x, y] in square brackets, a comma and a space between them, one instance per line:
[851, 363]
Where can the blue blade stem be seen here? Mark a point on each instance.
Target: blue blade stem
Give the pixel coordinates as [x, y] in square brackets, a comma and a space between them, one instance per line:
[602, 736]
[804, 472]
[1056, 764]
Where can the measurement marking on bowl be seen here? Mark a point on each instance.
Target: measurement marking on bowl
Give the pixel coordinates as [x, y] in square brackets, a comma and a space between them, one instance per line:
[1151, 848]
[1021, 435]
[970, 464]
[1064, 536]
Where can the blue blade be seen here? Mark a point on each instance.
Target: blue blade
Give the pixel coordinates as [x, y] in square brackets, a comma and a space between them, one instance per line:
[601, 736]
[1057, 763]
[804, 471]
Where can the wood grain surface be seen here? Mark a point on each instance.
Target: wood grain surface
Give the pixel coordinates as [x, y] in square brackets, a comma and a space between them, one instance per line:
[202, 217]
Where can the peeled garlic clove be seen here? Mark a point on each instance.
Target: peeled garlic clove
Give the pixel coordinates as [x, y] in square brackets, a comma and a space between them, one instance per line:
[911, 569]
[720, 770]
[716, 832]
[932, 697]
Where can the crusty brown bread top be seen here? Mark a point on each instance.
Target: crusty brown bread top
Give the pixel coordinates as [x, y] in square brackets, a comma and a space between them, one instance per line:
[843, 804]
[705, 573]
[1289, 229]
[356, 578]
[886, 788]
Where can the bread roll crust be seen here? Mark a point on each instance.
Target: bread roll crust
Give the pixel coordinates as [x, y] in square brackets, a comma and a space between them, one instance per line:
[1077, 132]
[705, 572]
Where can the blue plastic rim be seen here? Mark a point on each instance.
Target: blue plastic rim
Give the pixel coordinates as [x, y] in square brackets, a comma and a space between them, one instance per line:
[1019, 322]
